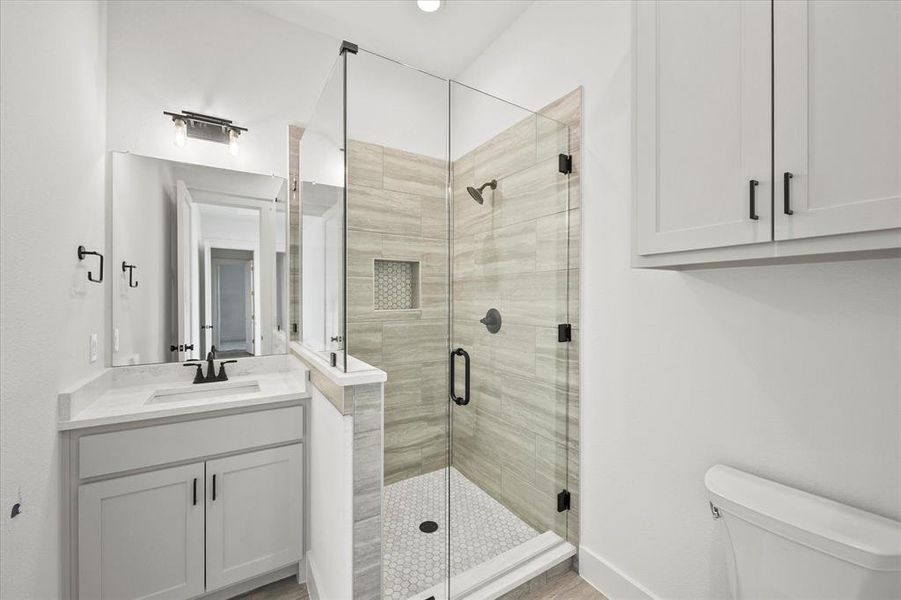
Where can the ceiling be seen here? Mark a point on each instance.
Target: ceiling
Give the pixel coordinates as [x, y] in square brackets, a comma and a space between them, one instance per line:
[443, 43]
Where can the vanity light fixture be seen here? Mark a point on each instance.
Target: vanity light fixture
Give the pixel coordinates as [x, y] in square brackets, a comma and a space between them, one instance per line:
[428, 6]
[205, 127]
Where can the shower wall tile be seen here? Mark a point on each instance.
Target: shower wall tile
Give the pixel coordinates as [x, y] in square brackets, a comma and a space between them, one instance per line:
[397, 211]
[431, 253]
[367, 490]
[414, 173]
[294, 135]
[363, 247]
[364, 164]
[511, 253]
[531, 193]
[408, 342]
[500, 251]
[384, 211]
[512, 150]
[433, 211]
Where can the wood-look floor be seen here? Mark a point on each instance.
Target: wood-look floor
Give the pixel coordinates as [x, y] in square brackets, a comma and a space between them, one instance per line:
[568, 586]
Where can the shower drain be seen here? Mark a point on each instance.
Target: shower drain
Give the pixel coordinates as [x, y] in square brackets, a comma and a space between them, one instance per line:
[428, 527]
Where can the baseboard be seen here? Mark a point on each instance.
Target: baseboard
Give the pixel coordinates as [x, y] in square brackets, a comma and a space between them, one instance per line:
[609, 580]
[312, 590]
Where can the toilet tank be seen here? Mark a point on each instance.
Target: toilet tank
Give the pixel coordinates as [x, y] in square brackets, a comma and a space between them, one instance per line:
[785, 543]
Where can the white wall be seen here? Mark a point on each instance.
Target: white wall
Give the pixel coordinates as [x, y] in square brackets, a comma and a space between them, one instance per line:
[218, 58]
[331, 498]
[52, 198]
[791, 372]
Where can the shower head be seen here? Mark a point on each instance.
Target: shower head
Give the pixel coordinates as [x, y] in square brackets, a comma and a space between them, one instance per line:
[476, 193]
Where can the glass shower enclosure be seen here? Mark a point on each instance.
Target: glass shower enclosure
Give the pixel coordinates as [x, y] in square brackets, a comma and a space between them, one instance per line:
[435, 246]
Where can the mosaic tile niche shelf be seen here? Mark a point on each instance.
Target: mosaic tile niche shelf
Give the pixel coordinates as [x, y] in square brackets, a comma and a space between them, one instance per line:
[396, 284]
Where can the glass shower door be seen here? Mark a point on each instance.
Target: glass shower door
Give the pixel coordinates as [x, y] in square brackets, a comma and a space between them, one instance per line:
[509, 351]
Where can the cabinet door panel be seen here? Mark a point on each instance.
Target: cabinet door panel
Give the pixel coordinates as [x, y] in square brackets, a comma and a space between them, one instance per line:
[702, 124]
[838, 116]
[254, 523]
[142, 536]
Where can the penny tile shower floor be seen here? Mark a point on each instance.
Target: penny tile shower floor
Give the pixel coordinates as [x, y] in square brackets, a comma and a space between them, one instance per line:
[481, 528]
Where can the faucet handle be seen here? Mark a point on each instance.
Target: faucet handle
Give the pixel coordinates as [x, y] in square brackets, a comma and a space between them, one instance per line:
[222, 375]
[198, 376]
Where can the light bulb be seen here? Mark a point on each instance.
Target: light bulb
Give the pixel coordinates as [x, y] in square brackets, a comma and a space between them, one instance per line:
[181, 133]
[428, 5]
[233, 142]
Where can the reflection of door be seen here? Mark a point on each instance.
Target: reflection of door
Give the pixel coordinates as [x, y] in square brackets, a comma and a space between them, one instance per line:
[232, 301]
[187, 267]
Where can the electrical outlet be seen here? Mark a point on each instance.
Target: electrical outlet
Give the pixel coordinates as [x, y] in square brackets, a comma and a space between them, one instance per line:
[93, 347]
[115, 339]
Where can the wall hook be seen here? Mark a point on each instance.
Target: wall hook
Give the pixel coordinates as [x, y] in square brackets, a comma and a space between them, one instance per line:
[82, 253]
[131, 270]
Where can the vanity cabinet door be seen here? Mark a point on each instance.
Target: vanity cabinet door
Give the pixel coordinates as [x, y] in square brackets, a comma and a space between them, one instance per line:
[702, 125]
[141, 536]
[254, 514]
[837, 117]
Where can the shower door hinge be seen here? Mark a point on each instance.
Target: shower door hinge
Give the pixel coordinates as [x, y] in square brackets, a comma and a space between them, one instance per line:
[565, 164]
[563, 501]
[564, 332]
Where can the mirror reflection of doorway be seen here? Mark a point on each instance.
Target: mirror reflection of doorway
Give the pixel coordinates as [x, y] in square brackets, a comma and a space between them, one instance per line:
[232, 302]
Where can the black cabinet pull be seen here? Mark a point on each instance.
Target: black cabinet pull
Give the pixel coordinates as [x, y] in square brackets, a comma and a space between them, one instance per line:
[752, 189]
[464, 399]
[214, 487]
[786, 193]
[195, 491]
[130, 268]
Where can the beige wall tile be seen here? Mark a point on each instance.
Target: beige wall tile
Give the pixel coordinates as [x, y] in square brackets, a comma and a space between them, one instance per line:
[499, 251]
[383, 211]
[531, 193]
[413, 173]
[410, 341]
[364, 164]
[510, 151]
[434, 217]
[362, 248]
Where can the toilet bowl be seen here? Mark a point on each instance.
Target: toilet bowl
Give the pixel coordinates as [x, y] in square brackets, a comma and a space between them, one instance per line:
[785, 543]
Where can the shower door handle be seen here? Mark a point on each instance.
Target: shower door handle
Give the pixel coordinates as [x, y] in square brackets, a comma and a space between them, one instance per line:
[464, 399]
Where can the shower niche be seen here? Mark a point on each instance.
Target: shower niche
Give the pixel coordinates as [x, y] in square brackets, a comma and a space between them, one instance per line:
[396, 284]
[424, 204]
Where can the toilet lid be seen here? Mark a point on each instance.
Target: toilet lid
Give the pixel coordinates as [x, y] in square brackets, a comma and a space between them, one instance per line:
[843, 531]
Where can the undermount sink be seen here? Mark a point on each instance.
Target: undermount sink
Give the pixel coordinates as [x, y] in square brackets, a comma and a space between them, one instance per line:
[203, 391]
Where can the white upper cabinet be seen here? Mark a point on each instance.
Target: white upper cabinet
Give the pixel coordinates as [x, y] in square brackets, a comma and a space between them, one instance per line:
[803, 97]
[837, 117]
[702, 99]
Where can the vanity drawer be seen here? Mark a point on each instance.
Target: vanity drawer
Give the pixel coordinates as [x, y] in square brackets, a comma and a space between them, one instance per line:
[139, 448]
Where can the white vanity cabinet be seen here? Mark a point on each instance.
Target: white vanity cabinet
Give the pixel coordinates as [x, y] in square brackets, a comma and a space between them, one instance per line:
[186, 507]
[803, 97]
[253, 514]
[141, 536]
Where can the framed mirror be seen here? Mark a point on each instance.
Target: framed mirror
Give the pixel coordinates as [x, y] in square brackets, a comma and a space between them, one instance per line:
[200, 261]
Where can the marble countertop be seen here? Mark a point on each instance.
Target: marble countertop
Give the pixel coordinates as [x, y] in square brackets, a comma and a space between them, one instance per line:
[130, 400]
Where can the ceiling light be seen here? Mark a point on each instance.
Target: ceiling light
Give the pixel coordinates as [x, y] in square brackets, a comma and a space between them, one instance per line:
[428, 6]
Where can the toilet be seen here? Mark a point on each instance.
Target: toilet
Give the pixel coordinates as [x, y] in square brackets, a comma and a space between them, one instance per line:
[785, 543]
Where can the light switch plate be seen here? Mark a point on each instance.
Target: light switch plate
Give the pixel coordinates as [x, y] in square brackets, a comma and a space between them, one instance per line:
[93, 347]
